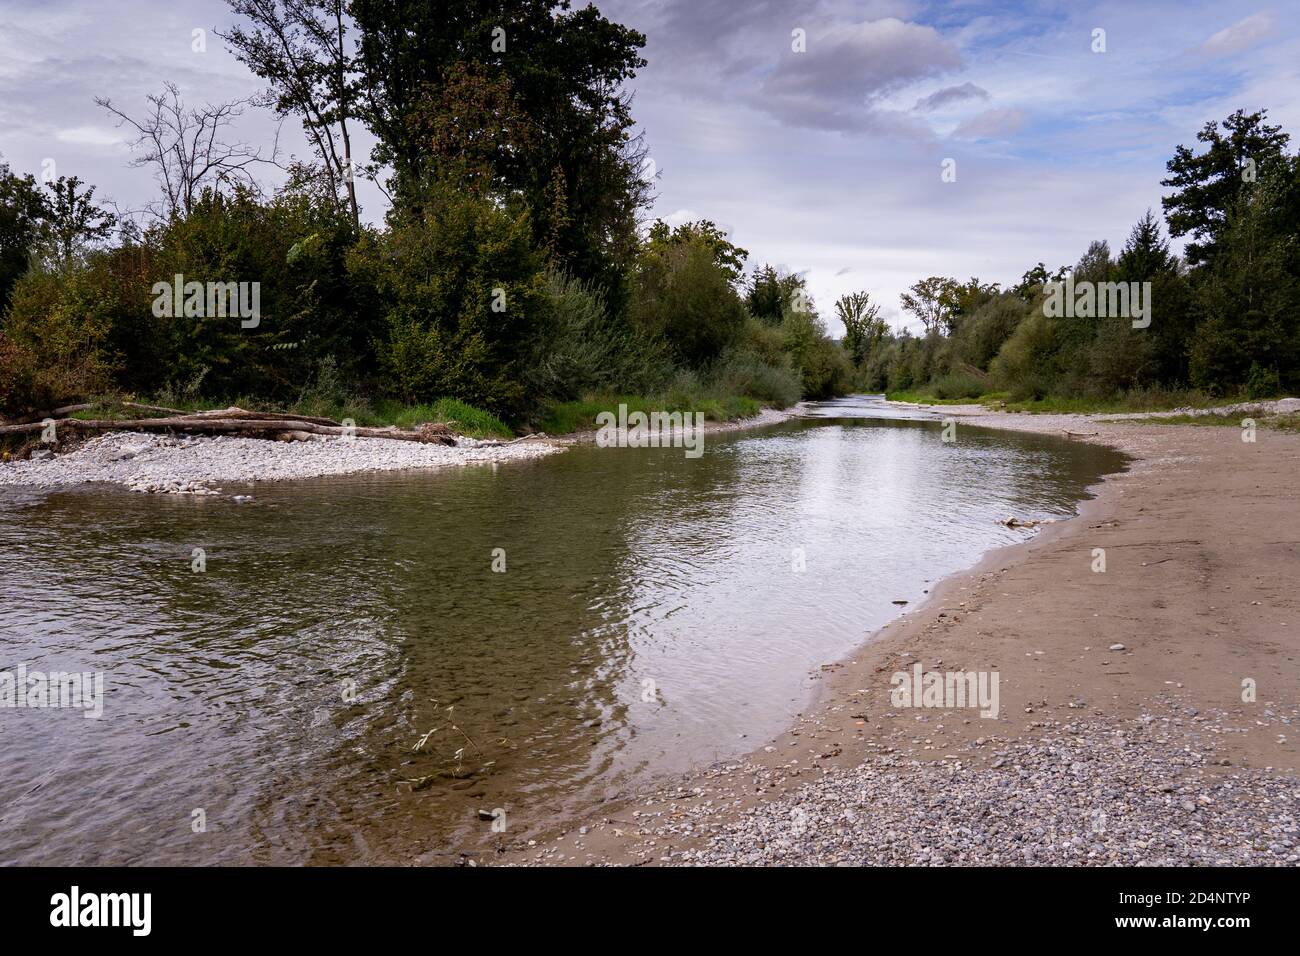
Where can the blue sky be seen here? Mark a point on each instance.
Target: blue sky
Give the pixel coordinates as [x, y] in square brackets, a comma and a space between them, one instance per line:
[826, 161]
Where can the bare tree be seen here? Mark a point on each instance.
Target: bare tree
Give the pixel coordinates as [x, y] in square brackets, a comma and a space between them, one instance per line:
[188, 149]
[301, 47]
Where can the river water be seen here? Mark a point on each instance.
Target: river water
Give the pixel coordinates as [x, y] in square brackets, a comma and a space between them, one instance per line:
[350, 680]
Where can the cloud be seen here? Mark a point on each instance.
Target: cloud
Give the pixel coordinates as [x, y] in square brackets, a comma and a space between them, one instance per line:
[991, 124]
[90, 136]
[1240, 36]
[950, 95]
[846, 67]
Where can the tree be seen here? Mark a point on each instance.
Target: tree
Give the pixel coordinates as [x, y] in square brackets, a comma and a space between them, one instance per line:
[1032, 282]
[1146, 253]
[187, 150]
[772, 293]
[23, 209]
[931, 300]
[729, 258]
[1095, 264]
[686, 299]
[73, 218]
[965, 298]
[1207, 185]
[301, 48]
[863, 327]
[1248, 299]
[580, 176]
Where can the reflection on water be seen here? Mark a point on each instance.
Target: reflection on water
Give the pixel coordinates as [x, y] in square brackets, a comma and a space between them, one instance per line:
[650, 617]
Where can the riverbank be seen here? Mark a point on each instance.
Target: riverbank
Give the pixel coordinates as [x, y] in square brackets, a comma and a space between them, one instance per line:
[189, 464]
[1147, 712]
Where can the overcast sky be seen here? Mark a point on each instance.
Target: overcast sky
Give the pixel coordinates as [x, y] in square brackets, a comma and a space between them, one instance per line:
[826, 161]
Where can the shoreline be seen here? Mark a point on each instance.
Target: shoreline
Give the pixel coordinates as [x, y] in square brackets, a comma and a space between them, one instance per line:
[1098, 757]
[198, 465]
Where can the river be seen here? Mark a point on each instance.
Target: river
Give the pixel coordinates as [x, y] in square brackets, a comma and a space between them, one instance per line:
[349, 679]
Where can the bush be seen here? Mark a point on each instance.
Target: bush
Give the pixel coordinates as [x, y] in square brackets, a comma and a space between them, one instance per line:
[1262, 382]
[684, 299]
[959, 385]
[464, 289]
[580, 348]
[55, 340]
[741, 372]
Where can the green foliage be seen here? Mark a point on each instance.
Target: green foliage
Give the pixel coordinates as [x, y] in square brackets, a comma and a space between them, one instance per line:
[580, 348]
[23, 209]
[577, 172]
[863, 327]
[564, 418]
[684, 298]
[1208, 185]
[824, 367]
[55, 340]
[727, 257]
[1248, 302]
[772, 293]
[464, 288]
[743, 372]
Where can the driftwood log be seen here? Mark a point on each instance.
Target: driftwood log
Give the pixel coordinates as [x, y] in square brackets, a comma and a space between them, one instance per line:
[238, 421]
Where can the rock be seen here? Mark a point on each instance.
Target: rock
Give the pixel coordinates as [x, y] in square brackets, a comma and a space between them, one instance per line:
[1118, 647]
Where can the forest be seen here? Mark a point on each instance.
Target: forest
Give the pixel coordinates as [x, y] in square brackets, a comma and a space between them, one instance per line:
[516, 281]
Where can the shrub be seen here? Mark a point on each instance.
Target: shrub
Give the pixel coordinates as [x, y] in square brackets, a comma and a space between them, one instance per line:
[959, 385]
[464, 289]
[741, 372]
[55, 340]
[683, 298]
[580, 348]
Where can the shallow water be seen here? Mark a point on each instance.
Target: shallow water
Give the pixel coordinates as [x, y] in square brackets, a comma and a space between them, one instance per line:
[651, 616]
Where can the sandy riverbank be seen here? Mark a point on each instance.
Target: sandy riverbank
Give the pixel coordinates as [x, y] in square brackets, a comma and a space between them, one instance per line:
[1146, 754]
[195, 464]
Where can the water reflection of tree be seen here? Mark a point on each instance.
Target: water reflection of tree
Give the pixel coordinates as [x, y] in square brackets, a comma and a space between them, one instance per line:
[520, 676]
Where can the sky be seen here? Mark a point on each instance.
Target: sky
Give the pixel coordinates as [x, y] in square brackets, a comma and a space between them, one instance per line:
[816, 132]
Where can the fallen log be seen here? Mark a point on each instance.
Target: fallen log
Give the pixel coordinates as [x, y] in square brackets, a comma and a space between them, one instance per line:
[234, 411]
[62, 412]
[495, 443]
[432, 433]
[156, 408]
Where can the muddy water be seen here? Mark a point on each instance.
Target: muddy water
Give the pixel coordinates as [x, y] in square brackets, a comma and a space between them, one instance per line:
[655, 612]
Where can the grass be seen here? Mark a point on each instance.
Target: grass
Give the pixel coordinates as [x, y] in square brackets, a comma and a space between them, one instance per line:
[465, 419]
[1153, 400]
[580, 415]
[1287, 422]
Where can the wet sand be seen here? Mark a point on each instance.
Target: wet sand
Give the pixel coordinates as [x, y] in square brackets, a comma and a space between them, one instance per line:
[1147, 754]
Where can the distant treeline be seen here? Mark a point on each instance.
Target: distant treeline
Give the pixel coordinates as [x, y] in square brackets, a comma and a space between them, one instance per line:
[1224, 319]
[512, 271]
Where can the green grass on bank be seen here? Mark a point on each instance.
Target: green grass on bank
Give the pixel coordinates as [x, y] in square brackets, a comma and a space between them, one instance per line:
[465, 419]
[580, 415]
[1150, 400]
[559, 419]
[1286, 422]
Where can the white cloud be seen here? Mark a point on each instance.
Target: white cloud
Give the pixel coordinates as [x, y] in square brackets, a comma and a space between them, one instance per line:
[1242, 35]
[90, 136]
[991, 124]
